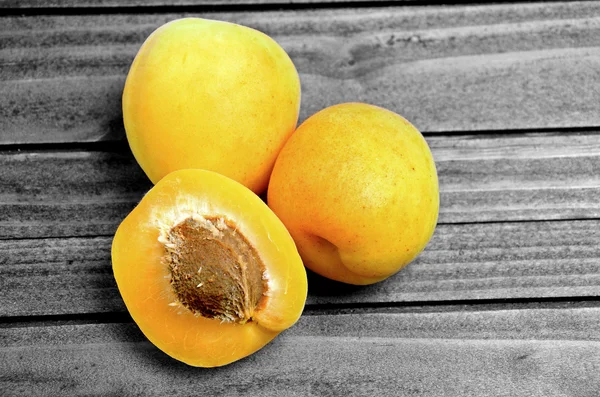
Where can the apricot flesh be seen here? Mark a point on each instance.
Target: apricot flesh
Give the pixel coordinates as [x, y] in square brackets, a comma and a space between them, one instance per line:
[212, 95]
[357, 188]
[206, 269]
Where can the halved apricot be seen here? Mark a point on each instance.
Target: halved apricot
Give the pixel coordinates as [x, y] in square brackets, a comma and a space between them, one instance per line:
[206, 269]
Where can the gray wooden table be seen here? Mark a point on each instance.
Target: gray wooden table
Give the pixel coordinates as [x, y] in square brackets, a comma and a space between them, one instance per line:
[504, 301]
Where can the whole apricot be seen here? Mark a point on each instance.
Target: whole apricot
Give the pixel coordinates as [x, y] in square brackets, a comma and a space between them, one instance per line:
[356, 186]
[212, 95]
[206, 269]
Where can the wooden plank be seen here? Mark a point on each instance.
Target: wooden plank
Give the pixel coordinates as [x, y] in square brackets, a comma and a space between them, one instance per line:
[462, 263]
[69, 193]
[57, 276]
[519, 352]
[445, 68]
[518, 177]
[482, 178]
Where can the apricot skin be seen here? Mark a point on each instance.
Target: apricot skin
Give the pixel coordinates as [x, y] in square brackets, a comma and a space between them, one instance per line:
[211, 95]
[144, 280]
[356, 186]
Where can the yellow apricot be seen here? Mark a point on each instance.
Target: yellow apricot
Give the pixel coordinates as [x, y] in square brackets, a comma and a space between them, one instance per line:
[212, 95]
[357, 188]
[206, 269]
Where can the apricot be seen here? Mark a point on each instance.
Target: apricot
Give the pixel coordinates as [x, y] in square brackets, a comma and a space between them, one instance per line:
[212, 95]
[357, 188]
[206, 269]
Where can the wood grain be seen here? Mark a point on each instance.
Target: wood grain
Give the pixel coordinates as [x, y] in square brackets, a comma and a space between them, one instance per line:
[465, 262]
[535, 352]
[502, 302]
[518, 177]
[459, 68]
[63, 193]
[68, 193]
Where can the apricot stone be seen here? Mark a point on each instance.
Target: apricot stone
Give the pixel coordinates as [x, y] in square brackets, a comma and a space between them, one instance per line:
[206, 269]
[356, 186]
[211, 95]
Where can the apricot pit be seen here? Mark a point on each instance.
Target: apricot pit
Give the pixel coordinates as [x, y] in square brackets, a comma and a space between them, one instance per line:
[215, 272]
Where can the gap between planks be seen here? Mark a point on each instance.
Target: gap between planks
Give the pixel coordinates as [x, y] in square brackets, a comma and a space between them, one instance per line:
[120, 144]
[87, 7]
[429, 307]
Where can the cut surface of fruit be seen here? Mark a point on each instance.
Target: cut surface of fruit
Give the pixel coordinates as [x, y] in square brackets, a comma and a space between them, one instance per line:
[206, 269]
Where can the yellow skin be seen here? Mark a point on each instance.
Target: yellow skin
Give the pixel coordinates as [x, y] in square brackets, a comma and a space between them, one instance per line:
[211, 95]
[144, 282]
[356, 186]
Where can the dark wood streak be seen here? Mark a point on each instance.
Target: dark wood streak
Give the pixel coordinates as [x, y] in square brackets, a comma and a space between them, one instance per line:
[118, 5]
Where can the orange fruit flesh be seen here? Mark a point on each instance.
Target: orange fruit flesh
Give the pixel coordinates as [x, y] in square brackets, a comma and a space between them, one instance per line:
[144, 272]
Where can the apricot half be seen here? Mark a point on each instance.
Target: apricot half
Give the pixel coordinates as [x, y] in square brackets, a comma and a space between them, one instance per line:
[356, 186]
[211, 95]
[206, 269]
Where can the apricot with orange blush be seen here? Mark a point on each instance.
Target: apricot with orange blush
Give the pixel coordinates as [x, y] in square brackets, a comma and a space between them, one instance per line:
[357, 187]
[212, 95]
[207, 271]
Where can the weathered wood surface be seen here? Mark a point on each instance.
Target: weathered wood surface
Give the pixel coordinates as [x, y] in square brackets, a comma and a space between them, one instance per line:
[502, 302]
[465, 262]
[65, 193]
[445, 68]
[502, 352]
